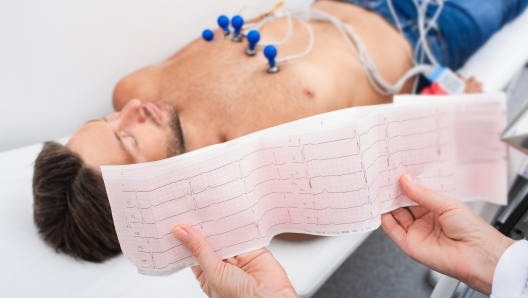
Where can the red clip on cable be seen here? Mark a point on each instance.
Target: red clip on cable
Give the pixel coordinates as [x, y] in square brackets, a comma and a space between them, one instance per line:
[444, 82]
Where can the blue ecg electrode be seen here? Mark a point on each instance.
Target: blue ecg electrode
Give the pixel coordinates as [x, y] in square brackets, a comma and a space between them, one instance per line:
[271, 52]
[253, 38]
[223, 22]
[237, 22]
[208, 35]
[304, 16]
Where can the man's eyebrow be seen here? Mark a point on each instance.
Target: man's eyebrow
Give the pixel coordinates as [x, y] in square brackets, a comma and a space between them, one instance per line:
[123, 147]
[127, 152]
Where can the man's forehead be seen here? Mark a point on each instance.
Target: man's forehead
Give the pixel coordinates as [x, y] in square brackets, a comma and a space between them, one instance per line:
[97, 145]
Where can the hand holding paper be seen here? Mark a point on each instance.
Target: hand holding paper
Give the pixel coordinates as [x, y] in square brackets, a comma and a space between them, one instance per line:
[447, 236]
[253, 274]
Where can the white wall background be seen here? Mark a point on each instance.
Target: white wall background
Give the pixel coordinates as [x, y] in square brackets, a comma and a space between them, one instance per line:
[60, 59]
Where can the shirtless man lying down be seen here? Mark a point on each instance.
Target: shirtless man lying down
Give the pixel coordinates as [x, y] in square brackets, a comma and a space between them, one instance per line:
[211, 92]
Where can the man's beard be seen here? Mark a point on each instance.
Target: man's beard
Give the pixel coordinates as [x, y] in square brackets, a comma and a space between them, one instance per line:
[175, 143]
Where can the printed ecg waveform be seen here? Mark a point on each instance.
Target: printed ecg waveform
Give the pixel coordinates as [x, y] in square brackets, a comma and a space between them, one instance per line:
[322, 179]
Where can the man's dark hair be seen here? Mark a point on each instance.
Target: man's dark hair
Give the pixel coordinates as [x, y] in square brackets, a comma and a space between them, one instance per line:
[71, 208]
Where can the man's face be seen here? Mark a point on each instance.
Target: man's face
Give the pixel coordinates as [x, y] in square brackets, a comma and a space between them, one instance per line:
[140, 132]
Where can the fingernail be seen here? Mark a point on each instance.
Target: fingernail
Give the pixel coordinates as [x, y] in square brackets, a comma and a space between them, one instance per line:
[409, 179]
[180, 234]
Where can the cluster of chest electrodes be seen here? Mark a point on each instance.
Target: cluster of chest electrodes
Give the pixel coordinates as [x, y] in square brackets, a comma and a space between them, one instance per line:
[444, 80]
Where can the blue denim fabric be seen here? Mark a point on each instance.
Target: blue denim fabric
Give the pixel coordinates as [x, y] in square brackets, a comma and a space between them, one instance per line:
[462, 27]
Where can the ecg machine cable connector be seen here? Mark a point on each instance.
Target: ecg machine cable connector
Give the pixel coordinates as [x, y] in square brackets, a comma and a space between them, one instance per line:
[444, 82]
[271, 52]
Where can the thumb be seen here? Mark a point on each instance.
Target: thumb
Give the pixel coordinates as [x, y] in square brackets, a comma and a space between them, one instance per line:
[425, 197]
[200, 248]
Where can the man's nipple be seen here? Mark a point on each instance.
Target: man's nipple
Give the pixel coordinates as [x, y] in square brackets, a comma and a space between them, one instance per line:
[308, 93]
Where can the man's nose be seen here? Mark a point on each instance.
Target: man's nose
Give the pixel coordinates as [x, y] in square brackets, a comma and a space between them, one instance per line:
[133, 112]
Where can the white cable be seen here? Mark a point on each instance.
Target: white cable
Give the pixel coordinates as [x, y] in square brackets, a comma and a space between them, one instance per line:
[377, 81]
[373, 75]
[258, 25]
[432, 23]
[417, 79]
[434, 19]
[371, 70]
[308, 49]
[422, 14]
[317, 15]
[247, 27]
[398, 25]
[423, 33]
[288, 34]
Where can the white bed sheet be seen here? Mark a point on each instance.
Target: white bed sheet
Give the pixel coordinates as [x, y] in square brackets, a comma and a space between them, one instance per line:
[30, 268]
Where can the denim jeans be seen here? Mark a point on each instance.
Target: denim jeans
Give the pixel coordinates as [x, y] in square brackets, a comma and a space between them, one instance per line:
[463, 26]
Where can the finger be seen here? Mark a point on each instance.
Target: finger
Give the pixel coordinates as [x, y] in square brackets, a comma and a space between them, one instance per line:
[243, 259]
[233, 261]
[425, 197]
[197, 270]
[417, 211]
[393, 229]
[199, 275]
[201, 250]
[403, 217]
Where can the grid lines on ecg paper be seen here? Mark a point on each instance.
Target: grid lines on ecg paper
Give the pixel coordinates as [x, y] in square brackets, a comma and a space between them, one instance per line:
[328, 182]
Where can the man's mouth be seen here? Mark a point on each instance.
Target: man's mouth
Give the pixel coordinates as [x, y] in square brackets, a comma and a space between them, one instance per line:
[154, 110]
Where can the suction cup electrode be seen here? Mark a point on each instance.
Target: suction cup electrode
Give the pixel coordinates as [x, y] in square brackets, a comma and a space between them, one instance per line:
[223, 22]
[208, 35]
[271, 52]
[237, 22]
[253, 38]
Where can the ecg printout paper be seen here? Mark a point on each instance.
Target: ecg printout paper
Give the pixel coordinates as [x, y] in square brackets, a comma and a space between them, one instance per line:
[329, 174]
